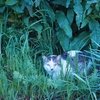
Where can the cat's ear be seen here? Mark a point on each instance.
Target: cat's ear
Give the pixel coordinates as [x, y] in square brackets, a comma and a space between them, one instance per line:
[58, 57]
[44, 58]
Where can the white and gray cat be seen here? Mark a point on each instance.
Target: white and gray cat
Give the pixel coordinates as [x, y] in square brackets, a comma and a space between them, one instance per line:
[71, 61]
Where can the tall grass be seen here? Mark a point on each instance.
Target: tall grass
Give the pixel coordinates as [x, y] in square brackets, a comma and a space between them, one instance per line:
[23, 77]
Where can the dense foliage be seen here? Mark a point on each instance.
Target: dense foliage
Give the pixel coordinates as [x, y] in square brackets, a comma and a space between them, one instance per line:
[30, 28]
[76, 23]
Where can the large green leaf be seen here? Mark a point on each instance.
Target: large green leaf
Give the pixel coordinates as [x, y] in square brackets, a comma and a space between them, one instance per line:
[67, 3]
[93, 24]
[63, 23]
[29, 5]
[11, 2]
[64, 40]
[95, 36]
[89, 11]
[76, 2]
[70, 15]
[97, 7]
[79, 14]
[29, 2]
[89, 2]
[2, 9]
[49, 10]
[85, 22]
[30, 9]
[37, 3]
[17, 9]
[80, 41]
[26, 21]
[59, 2]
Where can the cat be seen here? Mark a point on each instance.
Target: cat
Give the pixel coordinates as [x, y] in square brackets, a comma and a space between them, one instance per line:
[71, 61]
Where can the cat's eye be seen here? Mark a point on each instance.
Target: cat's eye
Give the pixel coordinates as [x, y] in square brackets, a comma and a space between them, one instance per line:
[48, 65]
[54, 59]
[55, 64]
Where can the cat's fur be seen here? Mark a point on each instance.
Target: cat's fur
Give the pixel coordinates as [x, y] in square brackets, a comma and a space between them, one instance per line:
[71, 61]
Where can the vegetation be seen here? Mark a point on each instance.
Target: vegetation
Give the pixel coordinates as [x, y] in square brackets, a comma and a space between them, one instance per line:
[30, 28]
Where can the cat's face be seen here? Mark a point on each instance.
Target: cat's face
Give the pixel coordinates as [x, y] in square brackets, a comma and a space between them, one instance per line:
[51, 63]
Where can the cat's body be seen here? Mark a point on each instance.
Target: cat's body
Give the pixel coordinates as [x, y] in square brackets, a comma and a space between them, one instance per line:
[72, 61]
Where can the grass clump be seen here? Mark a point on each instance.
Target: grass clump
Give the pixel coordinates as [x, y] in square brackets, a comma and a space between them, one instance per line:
[22, 75]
